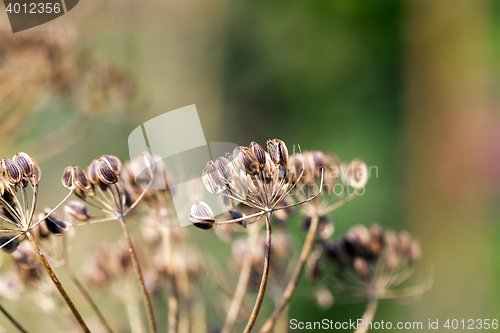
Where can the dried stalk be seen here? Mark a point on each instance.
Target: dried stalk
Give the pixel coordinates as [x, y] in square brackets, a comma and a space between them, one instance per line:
[370, 311]
[265, 275]
[138, 271]
[57, 283]
[292, 284]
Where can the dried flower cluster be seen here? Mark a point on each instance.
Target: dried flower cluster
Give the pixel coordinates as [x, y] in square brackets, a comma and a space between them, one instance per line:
[367, 263]
[370, 262]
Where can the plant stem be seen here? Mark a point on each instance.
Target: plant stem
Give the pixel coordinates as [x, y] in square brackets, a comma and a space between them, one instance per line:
[57, 283]
[12, 320]
[137, 268]
[371, 308]
[265, 275]
[292, 284]
[87, 296]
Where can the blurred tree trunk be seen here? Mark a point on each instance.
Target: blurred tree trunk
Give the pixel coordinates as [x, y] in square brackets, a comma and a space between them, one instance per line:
[447, 115]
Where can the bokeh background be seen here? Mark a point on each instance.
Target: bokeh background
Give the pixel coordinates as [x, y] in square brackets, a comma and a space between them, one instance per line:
[409, 86]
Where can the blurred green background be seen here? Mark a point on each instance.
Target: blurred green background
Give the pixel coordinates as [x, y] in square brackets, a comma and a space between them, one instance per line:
[410, 87]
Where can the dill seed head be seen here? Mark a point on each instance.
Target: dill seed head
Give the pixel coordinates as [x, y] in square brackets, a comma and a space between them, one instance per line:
[77, 210]
[201, 215]
[369, 261]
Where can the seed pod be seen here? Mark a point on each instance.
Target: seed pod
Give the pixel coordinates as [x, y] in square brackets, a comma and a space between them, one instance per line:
[77, 210]
[106, 170]
[297, 165]
[81, 181]
[278, 151]
[235, 169]
[362, 268]
[54, 224]
[37, 173]
[224, 169]
[25, 163]
[335, 253]
[415, 252]
[268, 167]
[92, 173]
[260, 154]
[211, 179]
[11, 172]
[201, 215]
[67, 178]
[320, 162]
[11, 246]
[237, 214]
[115, 164]
[357, 173]
[376, 239]
[248, 161]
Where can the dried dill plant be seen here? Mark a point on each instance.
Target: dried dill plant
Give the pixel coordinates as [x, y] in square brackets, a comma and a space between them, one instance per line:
[342, 182]
[19, 175]
[105, 190]
[258, 179]
[371, 263]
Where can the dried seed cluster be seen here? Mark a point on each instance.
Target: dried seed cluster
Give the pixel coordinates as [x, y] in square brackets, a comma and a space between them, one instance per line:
[373, 260]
